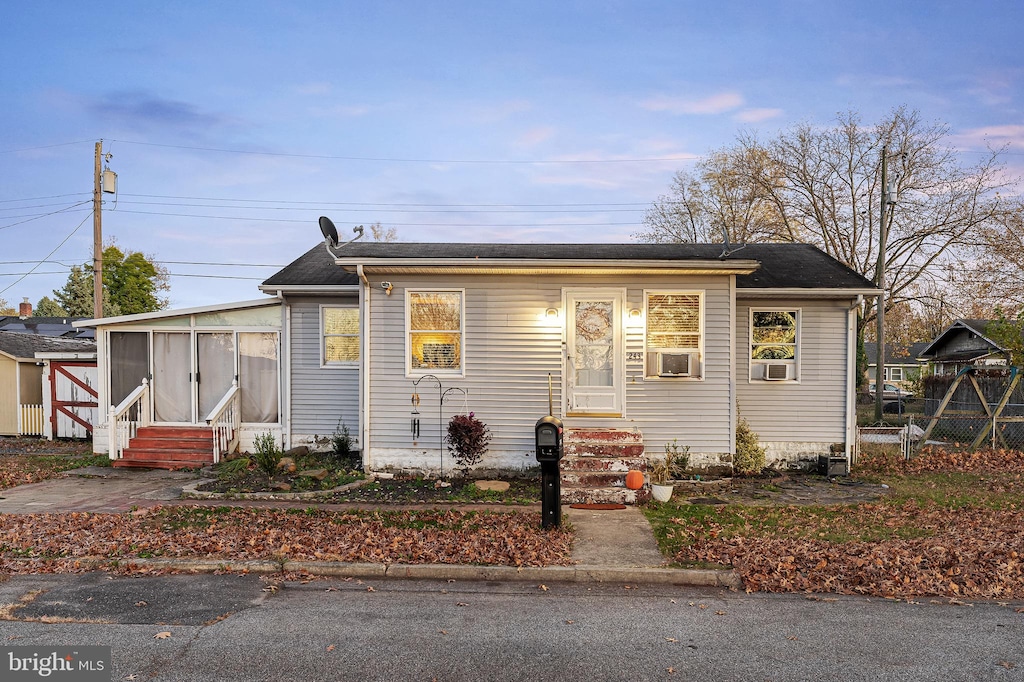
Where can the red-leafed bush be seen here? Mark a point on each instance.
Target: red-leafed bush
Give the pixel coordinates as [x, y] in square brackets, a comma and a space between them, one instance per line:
[467, 439]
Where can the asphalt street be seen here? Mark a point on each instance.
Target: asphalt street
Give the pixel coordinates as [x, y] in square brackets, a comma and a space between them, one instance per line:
[228, 627]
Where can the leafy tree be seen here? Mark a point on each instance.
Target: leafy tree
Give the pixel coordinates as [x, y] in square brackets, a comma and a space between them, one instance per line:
[47, 307]
[1008, 332]
[821, 185]
[131, 285]
[6, 308]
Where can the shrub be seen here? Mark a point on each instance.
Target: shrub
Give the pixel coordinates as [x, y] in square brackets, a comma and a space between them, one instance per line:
[267, 455]
[467, 439]
[673, 466]
[750, 454]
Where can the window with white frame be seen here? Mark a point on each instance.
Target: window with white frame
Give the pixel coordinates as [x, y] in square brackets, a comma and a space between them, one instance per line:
[434, 330]
[893, 373]
[774, 344]
[674, 333]
[340, 325]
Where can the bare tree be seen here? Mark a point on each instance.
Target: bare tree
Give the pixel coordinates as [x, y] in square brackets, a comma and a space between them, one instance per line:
[821, 185]
[383, 234]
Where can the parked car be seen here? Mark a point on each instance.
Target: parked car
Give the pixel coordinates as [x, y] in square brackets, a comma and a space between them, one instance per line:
[891, 392]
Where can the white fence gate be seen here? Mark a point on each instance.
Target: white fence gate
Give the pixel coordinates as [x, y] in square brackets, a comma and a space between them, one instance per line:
[70, 396]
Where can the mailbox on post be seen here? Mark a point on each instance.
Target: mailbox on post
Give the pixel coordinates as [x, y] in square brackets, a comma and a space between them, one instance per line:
[548, 441]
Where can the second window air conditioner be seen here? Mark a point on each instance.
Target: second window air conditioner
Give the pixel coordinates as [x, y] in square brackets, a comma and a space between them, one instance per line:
[776, 372]
[677, 364]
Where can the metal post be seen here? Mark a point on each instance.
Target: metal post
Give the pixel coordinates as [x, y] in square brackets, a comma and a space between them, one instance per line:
[97, 237]
[880, 276]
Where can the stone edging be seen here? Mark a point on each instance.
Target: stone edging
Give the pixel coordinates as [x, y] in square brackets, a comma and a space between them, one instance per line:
[727, 578]
[191, 492]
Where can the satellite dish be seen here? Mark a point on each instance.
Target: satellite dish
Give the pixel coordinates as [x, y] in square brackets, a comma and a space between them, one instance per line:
[329, 230]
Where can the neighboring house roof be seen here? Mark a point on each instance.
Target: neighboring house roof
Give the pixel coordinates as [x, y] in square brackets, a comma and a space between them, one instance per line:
[896, 354]
[24, 346]
[758, 266]
[43, 326]
[971, 339]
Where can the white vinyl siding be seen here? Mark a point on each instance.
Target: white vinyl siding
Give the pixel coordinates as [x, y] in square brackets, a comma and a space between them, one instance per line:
[510, 348]
[320, 396]
[813, 410]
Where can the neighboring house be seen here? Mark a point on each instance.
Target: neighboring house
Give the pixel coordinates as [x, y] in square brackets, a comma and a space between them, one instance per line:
[902, 363]
[25, 323]
[963, 344]
[646, 343]
[25, 364]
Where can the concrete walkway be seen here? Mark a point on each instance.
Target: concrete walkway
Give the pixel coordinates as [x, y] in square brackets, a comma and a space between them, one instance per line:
[612, 545]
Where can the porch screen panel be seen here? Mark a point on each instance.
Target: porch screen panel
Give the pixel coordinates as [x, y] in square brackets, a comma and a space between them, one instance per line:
[129, 363]
[172, 371]
[258, 376]
[216, 368]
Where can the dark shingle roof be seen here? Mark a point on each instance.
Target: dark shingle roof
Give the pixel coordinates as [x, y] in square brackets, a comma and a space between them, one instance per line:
[782, 265]
[22, 345]
[896, 354]
[315, 267]
[44, 326]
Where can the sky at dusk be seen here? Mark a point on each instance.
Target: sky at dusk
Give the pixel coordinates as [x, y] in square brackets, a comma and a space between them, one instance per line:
[233, 126]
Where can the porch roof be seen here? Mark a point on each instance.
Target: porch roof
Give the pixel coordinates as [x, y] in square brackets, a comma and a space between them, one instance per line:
[160, 314]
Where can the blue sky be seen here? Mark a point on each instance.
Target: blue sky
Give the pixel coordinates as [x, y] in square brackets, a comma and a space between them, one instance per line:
[233, 126]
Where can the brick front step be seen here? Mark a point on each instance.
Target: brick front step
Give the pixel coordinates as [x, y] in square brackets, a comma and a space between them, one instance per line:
[596, 462]
[183, 454]
[579, 494]
[170, 464]
[175, 432]
[173, 443]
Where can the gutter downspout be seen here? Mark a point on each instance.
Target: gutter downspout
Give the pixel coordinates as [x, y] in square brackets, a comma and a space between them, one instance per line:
[851, 381]
[364, 369]
[286, 359]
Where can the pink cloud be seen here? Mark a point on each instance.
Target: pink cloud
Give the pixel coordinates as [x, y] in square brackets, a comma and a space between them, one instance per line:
[713, 104]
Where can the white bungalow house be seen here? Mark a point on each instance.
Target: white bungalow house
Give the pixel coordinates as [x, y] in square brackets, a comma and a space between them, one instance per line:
[634, 345]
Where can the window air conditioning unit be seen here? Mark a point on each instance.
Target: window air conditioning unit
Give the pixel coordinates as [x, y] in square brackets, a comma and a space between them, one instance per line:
[676, 364]
[776, 372]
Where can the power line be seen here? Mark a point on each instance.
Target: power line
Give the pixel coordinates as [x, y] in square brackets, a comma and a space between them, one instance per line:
[43, 215]
[47, 256]
[382, 210]
[303, 222]
[52, 196]
[374, 205]
[383, 159]
[48, 146]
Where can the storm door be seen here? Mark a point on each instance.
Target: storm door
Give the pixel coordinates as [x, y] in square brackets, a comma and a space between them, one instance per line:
[594, 353]
[215, 369]
[172, 377]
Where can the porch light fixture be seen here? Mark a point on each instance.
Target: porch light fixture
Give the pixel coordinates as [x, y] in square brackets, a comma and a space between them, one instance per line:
[551, 313]
[635, 315]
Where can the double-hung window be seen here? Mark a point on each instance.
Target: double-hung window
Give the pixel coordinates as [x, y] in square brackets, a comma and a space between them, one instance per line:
[774, 344]
[340, 325]
[674, 333]
[434, 331]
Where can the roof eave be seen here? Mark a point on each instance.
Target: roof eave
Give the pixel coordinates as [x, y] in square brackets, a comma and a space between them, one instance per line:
[524, 266]
[309, 288]
[803, 292]
[159, 314]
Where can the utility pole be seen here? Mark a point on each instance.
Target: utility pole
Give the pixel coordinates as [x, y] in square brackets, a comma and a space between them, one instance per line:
[880, 272]
[97, 237]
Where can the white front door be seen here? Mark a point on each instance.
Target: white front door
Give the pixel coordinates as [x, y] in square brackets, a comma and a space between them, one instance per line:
[594, 354]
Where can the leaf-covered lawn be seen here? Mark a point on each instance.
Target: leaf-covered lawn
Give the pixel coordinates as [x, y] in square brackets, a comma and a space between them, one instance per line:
[54, 541]
[952, 528]
[19, 469]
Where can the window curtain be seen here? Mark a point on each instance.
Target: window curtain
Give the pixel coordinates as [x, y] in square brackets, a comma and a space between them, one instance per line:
[216, 369]
[172, 371]
[129, 363]
[258, 376]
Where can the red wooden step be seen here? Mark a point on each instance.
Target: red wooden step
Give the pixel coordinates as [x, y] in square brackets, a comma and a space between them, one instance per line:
[174, 432]
[168, 454]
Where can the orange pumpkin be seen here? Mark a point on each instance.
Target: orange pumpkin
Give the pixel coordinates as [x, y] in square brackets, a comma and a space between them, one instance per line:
[634, 479]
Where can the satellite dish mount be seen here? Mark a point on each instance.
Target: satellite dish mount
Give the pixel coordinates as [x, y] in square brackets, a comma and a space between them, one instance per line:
[331, 235]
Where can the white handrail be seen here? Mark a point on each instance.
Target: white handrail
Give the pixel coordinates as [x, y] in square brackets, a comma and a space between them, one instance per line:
[226, 420]
[123, 426]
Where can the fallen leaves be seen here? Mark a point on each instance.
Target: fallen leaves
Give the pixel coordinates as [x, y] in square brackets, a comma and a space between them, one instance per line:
[53, 542]
[162, 635]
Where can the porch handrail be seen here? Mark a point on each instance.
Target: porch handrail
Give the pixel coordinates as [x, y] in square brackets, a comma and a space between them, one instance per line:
[125, 422]
[226, 421]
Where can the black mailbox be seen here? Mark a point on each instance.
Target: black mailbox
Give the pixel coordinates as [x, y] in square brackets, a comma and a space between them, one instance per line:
[548, 437]
[548, 434]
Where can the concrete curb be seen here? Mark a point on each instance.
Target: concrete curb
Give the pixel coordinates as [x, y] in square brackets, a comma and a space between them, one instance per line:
[729, 579]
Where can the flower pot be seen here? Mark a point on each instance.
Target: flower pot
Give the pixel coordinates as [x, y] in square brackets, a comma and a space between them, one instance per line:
[662, 493]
